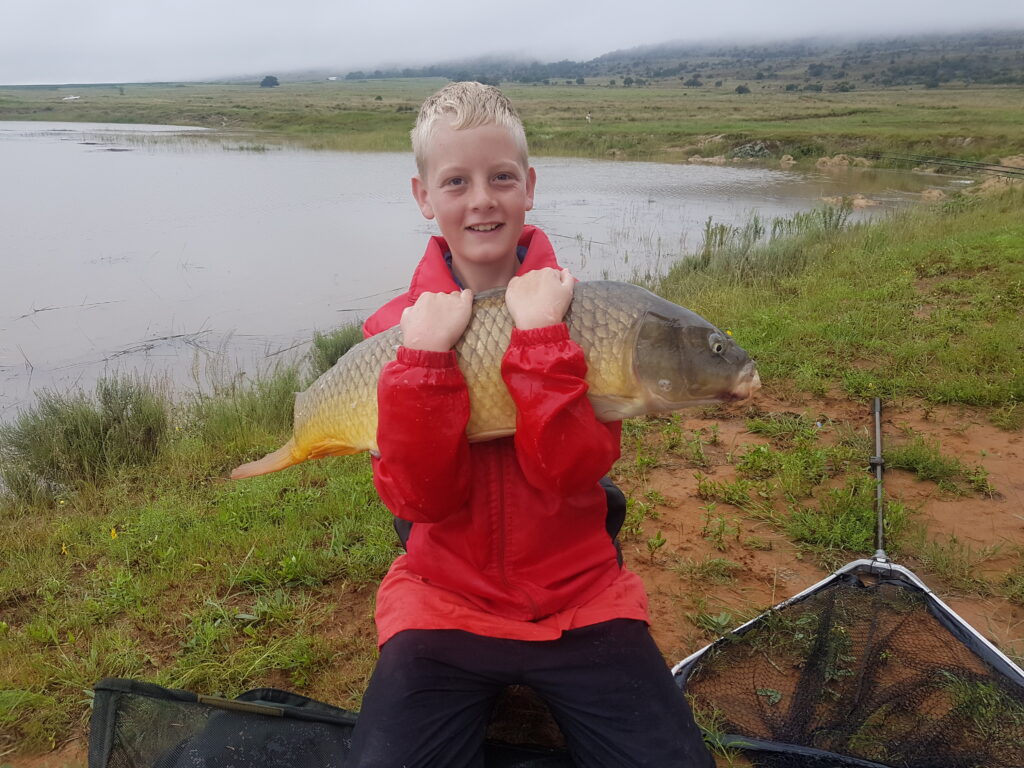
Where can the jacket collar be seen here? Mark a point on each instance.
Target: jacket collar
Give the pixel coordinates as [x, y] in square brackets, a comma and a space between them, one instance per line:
[434, 276]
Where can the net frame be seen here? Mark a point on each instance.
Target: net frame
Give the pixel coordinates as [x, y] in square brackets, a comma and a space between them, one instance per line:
[883, 568]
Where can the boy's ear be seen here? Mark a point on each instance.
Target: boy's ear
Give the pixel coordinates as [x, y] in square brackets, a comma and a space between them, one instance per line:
[531, 185]
[419, 191]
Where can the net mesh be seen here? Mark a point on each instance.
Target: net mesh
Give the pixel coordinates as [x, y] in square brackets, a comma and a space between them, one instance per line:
[140, 725]
[863, 671]
[144, 725]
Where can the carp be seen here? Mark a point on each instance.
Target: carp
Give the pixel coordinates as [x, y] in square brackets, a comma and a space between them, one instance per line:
[644, 355]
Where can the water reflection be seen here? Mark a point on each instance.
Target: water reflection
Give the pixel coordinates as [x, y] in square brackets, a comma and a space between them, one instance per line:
[168, 249]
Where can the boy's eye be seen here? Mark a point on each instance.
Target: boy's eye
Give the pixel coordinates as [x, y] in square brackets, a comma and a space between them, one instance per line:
[455, 182]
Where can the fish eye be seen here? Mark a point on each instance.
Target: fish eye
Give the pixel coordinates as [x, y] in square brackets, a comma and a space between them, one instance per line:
[717, 345]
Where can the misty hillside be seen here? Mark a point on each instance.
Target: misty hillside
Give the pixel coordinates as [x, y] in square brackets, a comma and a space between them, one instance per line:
[932, 60]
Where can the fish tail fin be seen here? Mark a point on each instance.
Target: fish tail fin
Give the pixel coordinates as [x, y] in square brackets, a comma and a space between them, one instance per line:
[282, 458]
[286, 456]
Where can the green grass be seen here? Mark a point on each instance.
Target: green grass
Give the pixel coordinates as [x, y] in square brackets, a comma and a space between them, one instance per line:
[925, 459]
[245, 418]
[710, 570]
[166, 572]
[913, 306]
[844, 522]
[956, 563]
[665, 121]
[67, 441]
[329, 347]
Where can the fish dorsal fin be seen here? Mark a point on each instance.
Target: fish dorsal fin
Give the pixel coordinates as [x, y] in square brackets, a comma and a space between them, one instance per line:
[479, 437]
[489, 293]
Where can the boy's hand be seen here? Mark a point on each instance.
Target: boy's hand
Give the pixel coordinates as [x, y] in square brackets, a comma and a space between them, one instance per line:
[539, 298]
[437, 320]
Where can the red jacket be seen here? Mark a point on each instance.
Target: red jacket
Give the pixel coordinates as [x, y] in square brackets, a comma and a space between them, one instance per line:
[509, 535]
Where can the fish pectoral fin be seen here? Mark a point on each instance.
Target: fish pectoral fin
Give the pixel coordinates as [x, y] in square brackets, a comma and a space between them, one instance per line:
[331, 448]
[614, 408]
[280, 459]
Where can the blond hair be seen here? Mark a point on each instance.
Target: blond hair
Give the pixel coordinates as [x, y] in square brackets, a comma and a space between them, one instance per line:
[466, 105]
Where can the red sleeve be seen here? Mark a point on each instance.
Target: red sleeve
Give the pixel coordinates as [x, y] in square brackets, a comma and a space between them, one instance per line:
[560, 444]
[423, 470]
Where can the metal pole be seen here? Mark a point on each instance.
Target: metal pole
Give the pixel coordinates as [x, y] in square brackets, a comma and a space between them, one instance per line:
[879, 465]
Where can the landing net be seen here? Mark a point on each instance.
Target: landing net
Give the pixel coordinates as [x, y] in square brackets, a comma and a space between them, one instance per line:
[866, 668]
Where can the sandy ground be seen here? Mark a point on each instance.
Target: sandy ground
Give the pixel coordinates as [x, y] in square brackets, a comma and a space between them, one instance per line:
[770, 576]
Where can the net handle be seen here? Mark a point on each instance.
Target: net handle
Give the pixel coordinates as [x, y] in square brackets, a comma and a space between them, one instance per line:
[878, 464]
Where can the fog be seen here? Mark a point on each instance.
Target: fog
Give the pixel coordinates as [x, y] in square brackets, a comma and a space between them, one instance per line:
[126, 41]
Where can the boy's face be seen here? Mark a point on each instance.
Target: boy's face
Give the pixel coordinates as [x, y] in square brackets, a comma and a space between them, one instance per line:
[476, 187]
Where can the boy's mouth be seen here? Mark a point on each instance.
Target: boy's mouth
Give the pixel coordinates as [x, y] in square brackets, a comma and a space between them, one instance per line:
[483, 227]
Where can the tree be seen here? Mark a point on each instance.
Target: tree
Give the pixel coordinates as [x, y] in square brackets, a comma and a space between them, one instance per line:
[580, 81]
[742, 89]
[269, 82]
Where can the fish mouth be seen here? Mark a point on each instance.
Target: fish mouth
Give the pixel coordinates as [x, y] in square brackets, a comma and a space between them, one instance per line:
[750, 382]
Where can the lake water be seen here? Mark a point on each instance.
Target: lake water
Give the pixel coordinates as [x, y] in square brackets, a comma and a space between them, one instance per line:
[170, 250]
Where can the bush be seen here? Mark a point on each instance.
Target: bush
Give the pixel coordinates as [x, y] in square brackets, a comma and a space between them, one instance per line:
[742, 89]
[69, 440]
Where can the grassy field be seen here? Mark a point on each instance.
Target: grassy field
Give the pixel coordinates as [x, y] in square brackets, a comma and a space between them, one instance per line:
[128, 554]
[663, 121]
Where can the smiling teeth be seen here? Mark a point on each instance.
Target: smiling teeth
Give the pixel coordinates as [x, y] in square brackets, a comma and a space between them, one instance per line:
[484, 227]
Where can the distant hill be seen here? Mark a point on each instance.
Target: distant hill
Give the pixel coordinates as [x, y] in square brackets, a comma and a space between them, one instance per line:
[930, 60]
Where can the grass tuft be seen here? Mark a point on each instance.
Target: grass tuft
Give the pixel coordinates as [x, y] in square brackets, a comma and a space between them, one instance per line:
[67, 441]
[924, 458]
[845, 521]
[241, 419]
[329, 347]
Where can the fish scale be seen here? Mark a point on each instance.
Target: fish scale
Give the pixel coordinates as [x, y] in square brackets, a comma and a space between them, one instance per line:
[611, 321]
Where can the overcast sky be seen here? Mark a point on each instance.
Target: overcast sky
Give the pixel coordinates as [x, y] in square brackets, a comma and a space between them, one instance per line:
[71, 41]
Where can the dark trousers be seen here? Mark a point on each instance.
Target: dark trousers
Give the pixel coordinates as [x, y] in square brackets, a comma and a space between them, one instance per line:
[607, 686]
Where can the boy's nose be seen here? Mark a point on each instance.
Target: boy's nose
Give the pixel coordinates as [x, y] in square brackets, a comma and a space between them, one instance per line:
[482, 197]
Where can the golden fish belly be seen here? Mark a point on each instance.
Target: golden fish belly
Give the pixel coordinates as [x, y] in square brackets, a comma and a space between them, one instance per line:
[340, 408]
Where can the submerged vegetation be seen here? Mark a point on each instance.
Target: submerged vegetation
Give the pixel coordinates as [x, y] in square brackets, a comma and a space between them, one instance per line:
[129, 554]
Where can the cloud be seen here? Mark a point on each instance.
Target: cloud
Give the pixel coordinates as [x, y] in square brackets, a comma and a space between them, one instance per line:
[117, 40]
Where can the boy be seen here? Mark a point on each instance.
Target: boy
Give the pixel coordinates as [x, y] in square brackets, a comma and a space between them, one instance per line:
[510, 574]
